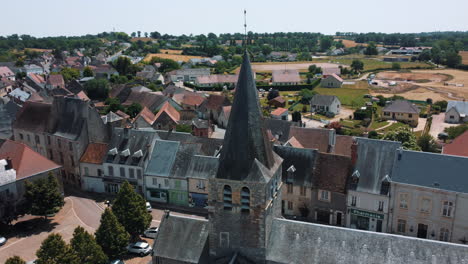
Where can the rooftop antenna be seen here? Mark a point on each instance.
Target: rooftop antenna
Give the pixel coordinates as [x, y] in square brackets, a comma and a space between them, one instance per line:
[245, 28]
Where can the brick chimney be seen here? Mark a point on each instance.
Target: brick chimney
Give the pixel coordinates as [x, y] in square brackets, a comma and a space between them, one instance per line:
[354, 155]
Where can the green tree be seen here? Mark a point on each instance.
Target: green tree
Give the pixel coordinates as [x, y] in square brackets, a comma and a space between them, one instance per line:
[84, 245]
[111, 235]
[54, 250]
[15, 260]
[43, 196]
[113, 104]
[373, 134]
[326, 43]
[70, 74]
[296, 116]
[124, 66]
[167, 65]
[405, 136]
[130, 209]
[357, 65]
[427, 143]
[452, 59]
[456, 131]
[442, 104]
[396, 66]
[266, 50]
[134, 109]
[306, 95]
[19, 63]
[371, 49]
[97, 89]
[87, 72]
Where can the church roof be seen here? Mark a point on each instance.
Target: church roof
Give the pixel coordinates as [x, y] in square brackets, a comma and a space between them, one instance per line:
[245, 139]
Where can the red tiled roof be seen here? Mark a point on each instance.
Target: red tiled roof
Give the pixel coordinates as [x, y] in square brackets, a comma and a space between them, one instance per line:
[35, 97]
[56, 80]
[193, 99]
[331, 70]
[82, 96]
[313, 138]
[170, 111]
[294, 143]
[94, 153]
[147, 115]
[285, 76]
[122, 114]
[217, 78]
[279, 111]
[458, 147]
[215, 101]
[37, 78]
[227, 111]
[337, 77]
[25, 161]
[280, 99]
[332, 171]
[5, 72]
[343, 145]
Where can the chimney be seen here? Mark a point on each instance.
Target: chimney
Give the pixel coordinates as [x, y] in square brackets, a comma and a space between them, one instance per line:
[354, 155]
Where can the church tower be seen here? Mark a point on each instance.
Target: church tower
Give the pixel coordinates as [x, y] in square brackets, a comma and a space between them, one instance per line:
[245, 194]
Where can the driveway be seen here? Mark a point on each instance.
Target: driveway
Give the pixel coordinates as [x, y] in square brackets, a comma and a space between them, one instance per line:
[438, 125]
[421, 124]
[77, 211]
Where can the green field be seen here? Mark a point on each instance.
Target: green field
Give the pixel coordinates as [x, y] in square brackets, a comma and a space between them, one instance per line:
[348, 96]
[392, 127]
[375, 125]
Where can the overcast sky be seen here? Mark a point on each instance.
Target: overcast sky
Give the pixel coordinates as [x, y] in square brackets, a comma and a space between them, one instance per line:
[79, 17]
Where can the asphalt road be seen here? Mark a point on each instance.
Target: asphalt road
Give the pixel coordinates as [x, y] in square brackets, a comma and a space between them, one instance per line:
[77, 211]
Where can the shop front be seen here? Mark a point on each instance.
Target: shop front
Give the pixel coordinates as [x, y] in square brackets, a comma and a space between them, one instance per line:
[365, 220]
[157, 195]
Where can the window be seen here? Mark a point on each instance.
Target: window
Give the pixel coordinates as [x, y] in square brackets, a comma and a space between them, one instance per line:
[29, 137]
[131, 173]
[166, 182]
[72, 162]
[410, 115]
[70, 146]
[290, 187]
[111, 170]
[201, 184]
[444, 234]
[99, 172]
[452, 117]
[425, 205]
[227, 197]
[36, 138]
[404, 200]
[245, 200]
[51, 155]
[155, 181]
[139, 174]
[401, 227]
[353, 200]
[59, 142]
[324, 195]
[61, 157]
[48, 140]
[224, 239]
[86, 171]
[21, 136]
[447, 209]
[122, 172]
[177, 184]
[381, 205]
[290, 205]
[303, 191]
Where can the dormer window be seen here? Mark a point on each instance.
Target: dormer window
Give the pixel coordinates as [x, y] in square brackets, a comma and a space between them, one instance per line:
[125, 153]
[136, 157]
[245, 200]
[227, 197]
[111, 155]
[385, 185]
[291, 170]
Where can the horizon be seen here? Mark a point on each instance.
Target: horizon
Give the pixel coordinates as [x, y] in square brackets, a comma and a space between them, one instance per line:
[194, 18]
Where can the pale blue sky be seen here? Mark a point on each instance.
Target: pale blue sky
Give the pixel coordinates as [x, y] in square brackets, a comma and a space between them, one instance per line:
[78, 17]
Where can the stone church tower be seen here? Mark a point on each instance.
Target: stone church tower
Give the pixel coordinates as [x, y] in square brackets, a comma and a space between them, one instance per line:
[245, 195]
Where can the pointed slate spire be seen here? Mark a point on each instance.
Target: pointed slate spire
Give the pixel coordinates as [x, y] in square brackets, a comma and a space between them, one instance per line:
[245, 139]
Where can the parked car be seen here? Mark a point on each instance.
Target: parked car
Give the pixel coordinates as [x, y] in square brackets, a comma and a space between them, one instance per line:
[148, 207]
[3, 240]
[117, 261]
[140, 248]
[151, 232]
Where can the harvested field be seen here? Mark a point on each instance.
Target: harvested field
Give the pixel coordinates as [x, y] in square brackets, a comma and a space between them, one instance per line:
[169, 51]
[176, 57]
[464, 55]
[142, 39]
[300, 66]
[350, 43]
[413, 76]
[417, 94]
[38, 50]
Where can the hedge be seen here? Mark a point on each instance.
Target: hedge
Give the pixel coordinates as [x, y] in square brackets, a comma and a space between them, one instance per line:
[297, 87]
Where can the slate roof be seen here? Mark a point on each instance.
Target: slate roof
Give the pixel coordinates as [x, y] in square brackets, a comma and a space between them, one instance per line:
[184, 155]
[279, 128]
[33, 116]
[170, 90]
[25, 161]
[460, 106]
[314, 138]
[375, 160]
[320, 99]
[303, 161]
[431, 170]
[458, 147]
[68, 121]
[94, 153]
[245, 140]
[111, 117]
[181, 238]
[332, 172]
[163, 158]
[202, 167]
[283, 76]
[402, 106]
[74, 86]
[209, 146]
[301, 242]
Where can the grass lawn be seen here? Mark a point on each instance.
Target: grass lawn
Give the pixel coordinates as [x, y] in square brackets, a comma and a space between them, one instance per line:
[375, 125]
[394, 126]
[348, 96]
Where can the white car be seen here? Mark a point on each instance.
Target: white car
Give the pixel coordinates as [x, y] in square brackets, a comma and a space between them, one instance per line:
[3, 240]
[151, 232]
[148, 207]
[140, 248]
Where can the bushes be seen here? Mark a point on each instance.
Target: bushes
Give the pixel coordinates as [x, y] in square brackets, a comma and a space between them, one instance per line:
[362, 114]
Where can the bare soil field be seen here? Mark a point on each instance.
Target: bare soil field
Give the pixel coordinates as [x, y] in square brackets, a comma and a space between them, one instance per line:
[413, 76]
[300, 66]
[175, 57]
[464, 55]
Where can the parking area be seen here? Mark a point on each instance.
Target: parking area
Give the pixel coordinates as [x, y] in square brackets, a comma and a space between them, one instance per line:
[438, 125]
